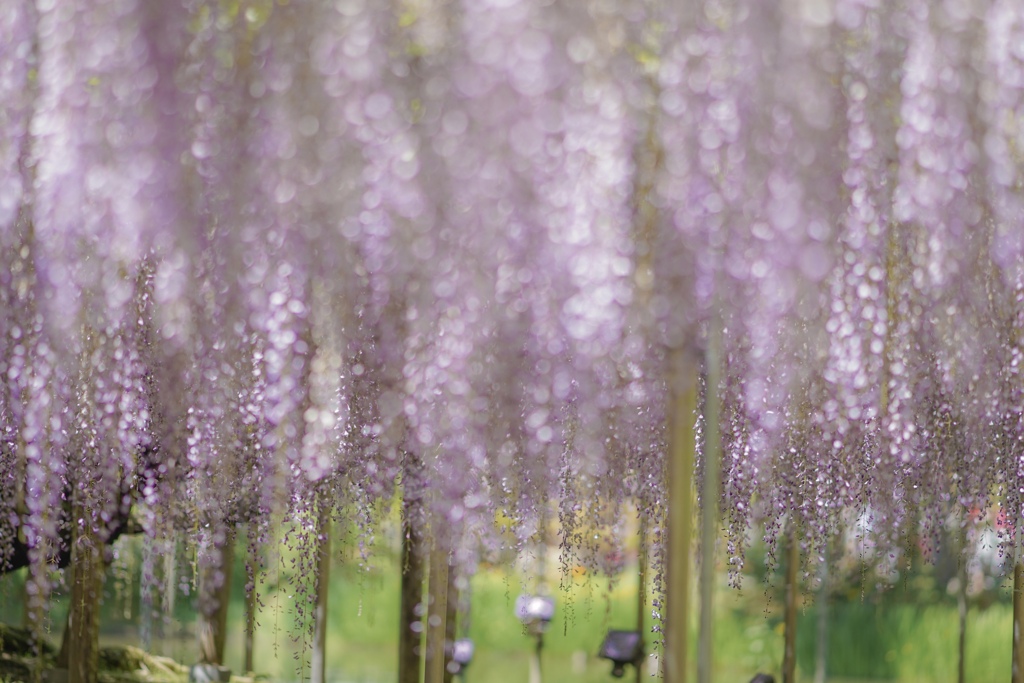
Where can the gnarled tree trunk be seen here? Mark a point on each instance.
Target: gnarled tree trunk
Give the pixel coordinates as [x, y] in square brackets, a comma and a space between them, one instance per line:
[214, 596]
[80, 648]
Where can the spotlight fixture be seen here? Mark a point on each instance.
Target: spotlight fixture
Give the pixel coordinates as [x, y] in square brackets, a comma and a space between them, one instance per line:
[622, 648]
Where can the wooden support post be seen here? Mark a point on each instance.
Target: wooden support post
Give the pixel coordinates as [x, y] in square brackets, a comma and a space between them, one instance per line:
[250, 604]
[250, 631]
[821, 659]
[1017, 675]
[792, 566]
[682, 442]
[451, 621]
[318, 662]
[961, 603]
[709, 507]
[410, 637]
[437, 608]
[641, 590]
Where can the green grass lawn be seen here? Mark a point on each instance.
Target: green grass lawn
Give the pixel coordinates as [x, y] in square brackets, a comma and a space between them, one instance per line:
[868, 641]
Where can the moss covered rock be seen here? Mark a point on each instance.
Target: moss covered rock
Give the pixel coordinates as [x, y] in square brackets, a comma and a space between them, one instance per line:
[126, 664]
[16, 641]
[118, 664]
[17, 655]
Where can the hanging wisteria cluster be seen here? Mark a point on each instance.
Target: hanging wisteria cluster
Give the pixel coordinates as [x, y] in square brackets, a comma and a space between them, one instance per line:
[263, 256]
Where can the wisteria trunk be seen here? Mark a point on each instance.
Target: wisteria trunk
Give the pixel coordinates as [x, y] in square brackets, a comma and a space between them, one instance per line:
[213, 610]
[37, 587]
[318, 663]
[1018, 620]
[80, 649]
[681, 429]
[26, 612]
[437, 603]
[792, 565]
[709, 507]
[36, 615]
[410, 623]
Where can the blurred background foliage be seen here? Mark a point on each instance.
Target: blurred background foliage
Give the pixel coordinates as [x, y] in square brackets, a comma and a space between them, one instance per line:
[891, 620]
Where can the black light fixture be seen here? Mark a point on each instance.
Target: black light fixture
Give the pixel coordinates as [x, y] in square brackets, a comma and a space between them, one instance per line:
[536, 612]
[461, 655]
[622, 648]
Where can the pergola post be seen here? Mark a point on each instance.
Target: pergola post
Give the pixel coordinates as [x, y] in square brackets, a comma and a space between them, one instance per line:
[682, 445]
